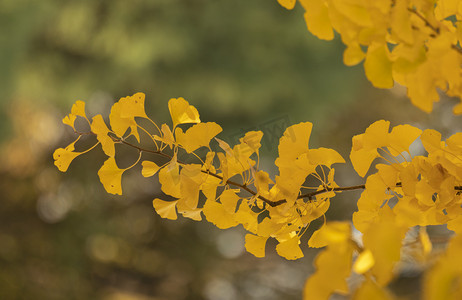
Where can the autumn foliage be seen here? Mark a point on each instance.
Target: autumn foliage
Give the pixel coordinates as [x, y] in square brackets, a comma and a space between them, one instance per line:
[414, 43]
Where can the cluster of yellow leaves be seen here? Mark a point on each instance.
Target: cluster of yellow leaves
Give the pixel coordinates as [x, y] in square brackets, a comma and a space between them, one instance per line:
[405, 192]
[412, 42]
[425, 187]
[226, 186]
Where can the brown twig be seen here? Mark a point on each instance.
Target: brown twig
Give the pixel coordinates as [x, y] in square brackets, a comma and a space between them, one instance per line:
[245, 187]
[435, 29]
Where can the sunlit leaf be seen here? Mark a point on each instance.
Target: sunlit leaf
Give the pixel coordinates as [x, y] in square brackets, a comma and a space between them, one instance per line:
[401, 138]
[442, 281]
[181, 112]
[333, 267]
[255, 244]
[431, 140]
[289, 4]
[324, 156]
[64, 156]
[197, 136]
[229, 199]
[378, 66]
[165, 209]
[78, 109]
[169, 178]
[329, 234]
[353, 54]
[119, 124]
[99, 127]
[317, 19]
[167, 136]
[364, 262]
[133, 106]
[191, 179]
[217, 214]
[253, 140]
[369, 290]
[385, 232]
[290, 248]
[149, 168]
[110, 176]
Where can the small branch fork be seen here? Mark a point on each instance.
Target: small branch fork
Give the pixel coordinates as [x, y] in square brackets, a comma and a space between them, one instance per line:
[435, 29]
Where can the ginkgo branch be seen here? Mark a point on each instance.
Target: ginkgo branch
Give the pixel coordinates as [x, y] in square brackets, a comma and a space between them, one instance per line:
[244, 186]
[435, 29]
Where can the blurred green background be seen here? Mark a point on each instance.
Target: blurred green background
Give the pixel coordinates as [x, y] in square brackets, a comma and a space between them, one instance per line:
[244, 64]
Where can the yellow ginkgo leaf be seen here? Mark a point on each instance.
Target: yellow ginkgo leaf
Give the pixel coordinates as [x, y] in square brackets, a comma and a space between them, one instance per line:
[362, 159]
[99, 128]
[424, 193]
[457, 110]
[70, 120]
[225, 146]
[364, 148]
[268, 227]
[111, 176]
[329, 234]
[401, 25]
[456, 225]
[78, 109]
[385, 231]
[197, 136]
[209, 186]
[262, 182]
[193, 214]
[295, 141]
[246, 217]
[229, 199]
[133, 106]
[353, 54]
[333, 267]
[167, 136]
[364, 262]
[314, 210]
[401, 138]
[165, 209]
[223, 166]
[324, 156]
[120, 124]
[425, 241]
[370, 290]
[217, 214]
[149, 168]
[169, 178]
[290, 248]
[389, 174]
[181, 112]
[446, 8]
[191, 179]
[64, 156]
[317, 19]
[454, 143]
[255, 244]
[442, 281]
[378, 66]
[252, 139]
[289, 4]
[376, 135]
[431, 140]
